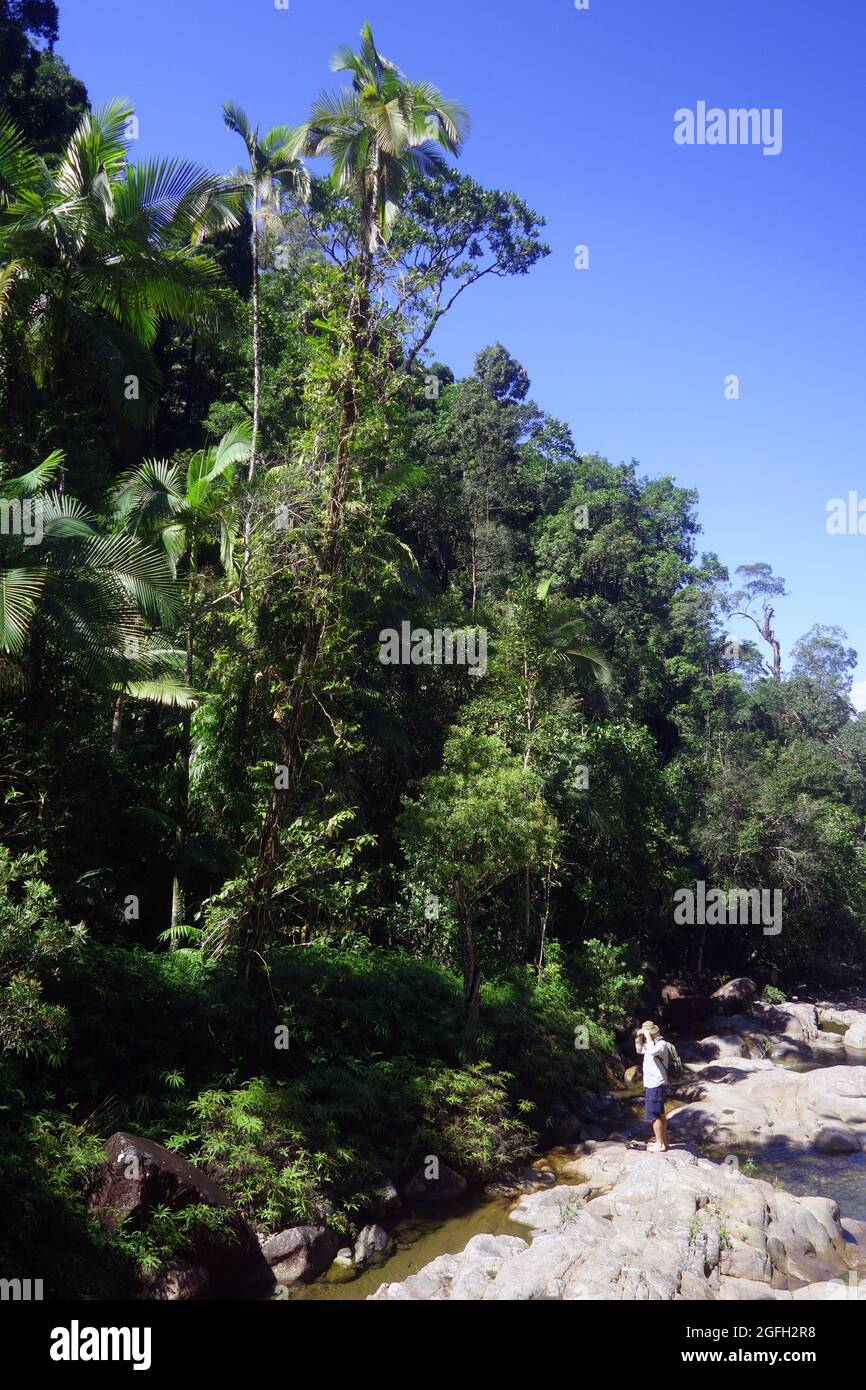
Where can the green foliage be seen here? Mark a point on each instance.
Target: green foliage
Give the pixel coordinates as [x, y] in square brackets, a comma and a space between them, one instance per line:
[446, 890]
[772, 995]
[479, 821]
[607, 988]
[252, 1140]
[33, 942]
[173, 1235]
[46, 1166]
[39, 93]
[73, 237]
[466, 1121]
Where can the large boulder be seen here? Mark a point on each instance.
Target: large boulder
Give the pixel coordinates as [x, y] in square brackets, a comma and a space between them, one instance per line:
[855, 1037]
[466, 1277]
[786, 1031]
[563, 1128]
[750, 1103]
[713, 1047]
[140, 1175]
[842, 1018]
[792, 1019]
[300, 1254]
[443, 1186]
[735, 995]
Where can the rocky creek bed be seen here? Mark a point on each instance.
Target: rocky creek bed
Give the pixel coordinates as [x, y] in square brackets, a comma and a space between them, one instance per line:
[762, 1195]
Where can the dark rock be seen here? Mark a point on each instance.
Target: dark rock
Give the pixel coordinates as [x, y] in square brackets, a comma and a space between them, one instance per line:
[563, 1129]
[683, 1014]
[444, 1188]
[592, 1132]
[387, 1205]
[686, 1001]
[735, 995]
[536, 1177]
[181, 1282]
[140, 1175]
[836, 1139]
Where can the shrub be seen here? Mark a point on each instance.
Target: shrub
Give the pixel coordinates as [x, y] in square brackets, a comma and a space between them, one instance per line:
[252, 1140]
[772, 995]
[606, 986]
[33, 937]
[467, 1120]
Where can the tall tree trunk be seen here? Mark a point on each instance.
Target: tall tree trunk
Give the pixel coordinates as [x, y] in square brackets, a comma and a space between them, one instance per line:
[545, 918]
[117, 723]
[257, 378]
[471, 967]
[292, 721]
[182, 809]
[701, 945]
[257, 354]
[182, 814]
[473, 564]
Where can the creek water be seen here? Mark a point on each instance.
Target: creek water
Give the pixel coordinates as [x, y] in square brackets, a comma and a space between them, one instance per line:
[424, 1234]
[419, 1238]
[811, 1174]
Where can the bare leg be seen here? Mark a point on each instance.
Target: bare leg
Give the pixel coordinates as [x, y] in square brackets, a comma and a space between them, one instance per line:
[660, 1130]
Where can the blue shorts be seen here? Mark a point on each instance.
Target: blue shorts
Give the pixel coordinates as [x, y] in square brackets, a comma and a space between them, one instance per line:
[655, 1102]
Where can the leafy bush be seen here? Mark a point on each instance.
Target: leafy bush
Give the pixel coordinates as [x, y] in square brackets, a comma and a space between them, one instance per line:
[33, 937]
[607, 987]
[468, 1121]
[252, 1140]
[173, 1235]
[772, 995]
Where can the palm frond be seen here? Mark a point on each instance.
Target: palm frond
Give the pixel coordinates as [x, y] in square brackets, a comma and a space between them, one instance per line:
[20, 592]
[171, 694]
[28, 484]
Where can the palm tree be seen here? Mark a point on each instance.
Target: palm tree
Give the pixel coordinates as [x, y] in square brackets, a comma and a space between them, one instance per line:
[377, 135]
[183, 508]
[272, 170]
[96, 253]
[98, 597]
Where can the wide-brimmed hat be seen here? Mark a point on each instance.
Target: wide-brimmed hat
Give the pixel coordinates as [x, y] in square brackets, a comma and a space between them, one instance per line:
[650, 1027]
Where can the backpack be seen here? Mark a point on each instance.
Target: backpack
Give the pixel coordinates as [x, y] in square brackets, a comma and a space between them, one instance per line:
[675, 1062]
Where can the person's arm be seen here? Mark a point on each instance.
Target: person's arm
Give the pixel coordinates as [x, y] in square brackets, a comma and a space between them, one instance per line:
[640, 1043]
[655, 1046]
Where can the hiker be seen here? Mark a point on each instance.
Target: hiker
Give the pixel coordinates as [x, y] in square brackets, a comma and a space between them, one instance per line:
[656, 1054]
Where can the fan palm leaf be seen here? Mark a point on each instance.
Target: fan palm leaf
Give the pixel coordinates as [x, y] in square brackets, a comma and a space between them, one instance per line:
[97, 252]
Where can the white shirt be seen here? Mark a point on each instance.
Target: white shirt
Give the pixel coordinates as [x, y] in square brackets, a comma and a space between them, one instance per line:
[654, 1071]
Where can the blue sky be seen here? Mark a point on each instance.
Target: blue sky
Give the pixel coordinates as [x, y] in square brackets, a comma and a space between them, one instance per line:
[705, 261]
